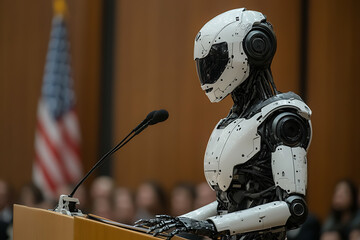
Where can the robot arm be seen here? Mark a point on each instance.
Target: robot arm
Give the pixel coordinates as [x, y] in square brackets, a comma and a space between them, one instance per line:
[264, 217]
[258, 218]
[270, 216]
[204, 212]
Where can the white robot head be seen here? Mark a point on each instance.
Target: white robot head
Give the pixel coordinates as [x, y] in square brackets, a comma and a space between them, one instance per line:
[227, 46]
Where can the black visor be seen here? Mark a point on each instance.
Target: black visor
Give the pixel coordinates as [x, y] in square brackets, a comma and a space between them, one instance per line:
[213, 65]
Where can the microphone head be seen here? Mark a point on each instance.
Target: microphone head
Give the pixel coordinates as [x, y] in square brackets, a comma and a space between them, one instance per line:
[159, 116]
[150, 116]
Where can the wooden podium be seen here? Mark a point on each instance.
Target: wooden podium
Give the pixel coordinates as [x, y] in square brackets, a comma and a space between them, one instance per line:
[40, 224]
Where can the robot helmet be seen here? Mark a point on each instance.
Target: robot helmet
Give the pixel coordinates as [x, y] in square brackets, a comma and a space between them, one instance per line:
[227, 47]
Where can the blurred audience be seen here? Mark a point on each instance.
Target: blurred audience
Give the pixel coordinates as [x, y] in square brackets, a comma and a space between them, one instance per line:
[182, 199]
[102, 207]
[5, 210]
[123, 206]
[5, 203]
[31, 196]
[343, 211]
[120, 205]
[102, 187]
[332, 235]
[310, 230]
[355, 234]
[204, 195]
[150, 200]
[101, 196]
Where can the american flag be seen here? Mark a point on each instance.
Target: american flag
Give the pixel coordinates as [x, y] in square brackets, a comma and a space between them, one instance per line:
[57, 137]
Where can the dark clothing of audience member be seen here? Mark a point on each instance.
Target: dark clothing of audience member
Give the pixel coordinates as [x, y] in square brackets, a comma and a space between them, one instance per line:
[344, 208]
[310, 230]
[5, 209]
[3, 230]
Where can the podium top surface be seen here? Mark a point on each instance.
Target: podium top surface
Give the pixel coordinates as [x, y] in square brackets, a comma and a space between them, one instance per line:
[34, 223]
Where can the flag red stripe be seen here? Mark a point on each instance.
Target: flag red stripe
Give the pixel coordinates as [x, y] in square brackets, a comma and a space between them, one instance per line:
[54, 151]
[45, 173]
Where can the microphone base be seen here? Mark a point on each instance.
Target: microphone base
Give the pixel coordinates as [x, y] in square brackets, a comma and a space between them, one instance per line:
[67, 206]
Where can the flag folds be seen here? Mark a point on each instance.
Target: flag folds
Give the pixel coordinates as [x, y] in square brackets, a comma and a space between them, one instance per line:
[57, 137]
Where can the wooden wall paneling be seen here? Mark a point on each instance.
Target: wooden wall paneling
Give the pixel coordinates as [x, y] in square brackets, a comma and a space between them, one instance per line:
[333, 96]
[154, 69]
[85, 25]
[24, 36]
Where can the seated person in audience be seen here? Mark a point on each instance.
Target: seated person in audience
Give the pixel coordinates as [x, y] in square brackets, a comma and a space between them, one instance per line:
[101, 196]
[204, 195]
[123, 206]
[149, 200]
[5, 210]
[355, 233]
[31, 196]
[5, 204]
[343, 209]
[182, 199]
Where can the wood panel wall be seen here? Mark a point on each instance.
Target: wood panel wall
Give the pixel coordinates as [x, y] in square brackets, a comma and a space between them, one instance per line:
[24, 36]
[154, 69]
[333, 86]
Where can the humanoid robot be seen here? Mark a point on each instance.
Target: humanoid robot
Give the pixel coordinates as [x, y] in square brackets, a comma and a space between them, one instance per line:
[255, 159]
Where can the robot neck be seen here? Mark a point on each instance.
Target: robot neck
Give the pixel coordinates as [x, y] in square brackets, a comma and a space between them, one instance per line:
[258, 87]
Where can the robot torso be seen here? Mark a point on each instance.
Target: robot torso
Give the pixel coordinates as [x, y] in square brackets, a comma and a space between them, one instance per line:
[249, 155]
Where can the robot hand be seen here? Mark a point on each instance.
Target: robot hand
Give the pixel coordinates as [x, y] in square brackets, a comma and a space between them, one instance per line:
[177, 225]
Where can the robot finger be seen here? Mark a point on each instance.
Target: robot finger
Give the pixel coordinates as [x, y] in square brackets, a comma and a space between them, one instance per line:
[176, 231]
[141, 222]
[164, 217]
[167, 227]
[160, 225]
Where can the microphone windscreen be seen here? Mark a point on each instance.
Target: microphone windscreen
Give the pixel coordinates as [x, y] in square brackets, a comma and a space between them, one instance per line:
[159, 116]
[150, 115]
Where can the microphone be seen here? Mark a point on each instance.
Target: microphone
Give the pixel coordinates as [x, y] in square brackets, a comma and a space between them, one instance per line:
[152, 118]
[156, 117]
[148, 118]
[159, 116]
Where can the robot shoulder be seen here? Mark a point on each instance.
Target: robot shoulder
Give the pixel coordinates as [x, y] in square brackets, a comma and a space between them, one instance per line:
[286, 129]
[286, 121]
[282, 100]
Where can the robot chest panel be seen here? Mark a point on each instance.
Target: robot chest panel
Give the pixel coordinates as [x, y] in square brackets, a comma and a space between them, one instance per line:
[235, 144]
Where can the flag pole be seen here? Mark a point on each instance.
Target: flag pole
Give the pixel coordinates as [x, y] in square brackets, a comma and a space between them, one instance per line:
[59, 7]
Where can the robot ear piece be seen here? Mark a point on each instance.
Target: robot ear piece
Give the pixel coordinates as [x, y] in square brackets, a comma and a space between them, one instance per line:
[260, 44]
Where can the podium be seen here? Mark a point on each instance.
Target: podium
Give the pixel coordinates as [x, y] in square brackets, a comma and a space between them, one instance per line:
[33, 223]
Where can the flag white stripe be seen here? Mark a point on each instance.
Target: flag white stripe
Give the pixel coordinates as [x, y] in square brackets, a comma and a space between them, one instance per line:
[71, 124]
[50, 126]
[48, 160]
[70, 149]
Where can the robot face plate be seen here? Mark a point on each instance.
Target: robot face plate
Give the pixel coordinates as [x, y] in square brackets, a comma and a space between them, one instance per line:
[213, 65]
[221, 62]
